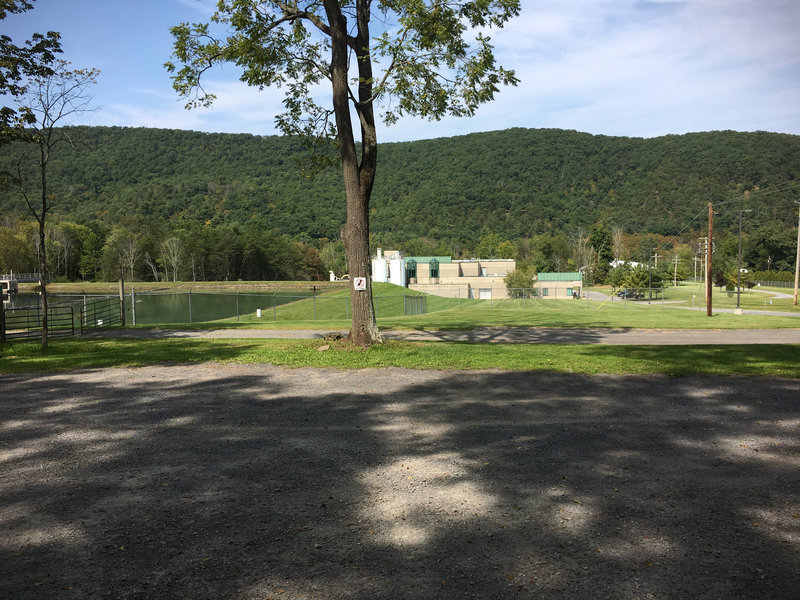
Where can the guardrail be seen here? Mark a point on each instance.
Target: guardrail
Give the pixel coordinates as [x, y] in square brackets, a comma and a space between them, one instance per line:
[22, 277]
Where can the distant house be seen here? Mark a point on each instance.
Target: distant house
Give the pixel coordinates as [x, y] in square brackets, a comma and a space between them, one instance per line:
[477, 278]
[557, 286]
[621, 263]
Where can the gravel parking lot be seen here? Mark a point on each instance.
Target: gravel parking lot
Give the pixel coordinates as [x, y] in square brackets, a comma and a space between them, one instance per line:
[256, 482]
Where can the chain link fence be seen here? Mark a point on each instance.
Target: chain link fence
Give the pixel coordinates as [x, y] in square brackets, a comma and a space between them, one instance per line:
[160, 308]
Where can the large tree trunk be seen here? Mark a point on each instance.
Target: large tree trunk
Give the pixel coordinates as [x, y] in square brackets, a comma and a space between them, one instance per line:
[355, 235]
[358, 178]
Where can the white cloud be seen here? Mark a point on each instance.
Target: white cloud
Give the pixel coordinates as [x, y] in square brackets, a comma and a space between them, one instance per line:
[648, 68]
[617, 67]
[203, 7]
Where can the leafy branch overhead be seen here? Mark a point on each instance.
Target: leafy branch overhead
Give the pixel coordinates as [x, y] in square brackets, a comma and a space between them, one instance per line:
[18, 65]
[424, 63]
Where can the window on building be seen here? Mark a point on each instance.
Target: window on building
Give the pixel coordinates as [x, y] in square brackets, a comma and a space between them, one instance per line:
[545, 292]
[411, 269]
[434, 269]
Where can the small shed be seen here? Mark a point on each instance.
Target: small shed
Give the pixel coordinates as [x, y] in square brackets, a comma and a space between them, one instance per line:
[558, 286]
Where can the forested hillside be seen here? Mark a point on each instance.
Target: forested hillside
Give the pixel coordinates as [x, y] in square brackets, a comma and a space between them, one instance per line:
[515, 183]
[449, 193]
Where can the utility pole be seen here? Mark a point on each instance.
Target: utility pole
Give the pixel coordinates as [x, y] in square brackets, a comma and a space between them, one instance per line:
[797, 260]
[655, 256]
[709, 261]
[703, 249]
[675, 274]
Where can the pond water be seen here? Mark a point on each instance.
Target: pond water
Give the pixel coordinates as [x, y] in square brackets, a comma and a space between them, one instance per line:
[183, 307]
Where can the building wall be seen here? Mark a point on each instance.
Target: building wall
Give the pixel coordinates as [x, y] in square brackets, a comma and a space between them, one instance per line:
[557, 290]
[477, 278]
[465, 287]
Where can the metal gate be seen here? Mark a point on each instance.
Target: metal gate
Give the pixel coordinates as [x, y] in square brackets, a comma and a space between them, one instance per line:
[63, 320]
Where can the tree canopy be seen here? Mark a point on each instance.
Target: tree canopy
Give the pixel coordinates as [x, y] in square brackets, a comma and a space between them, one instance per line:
[19, 64]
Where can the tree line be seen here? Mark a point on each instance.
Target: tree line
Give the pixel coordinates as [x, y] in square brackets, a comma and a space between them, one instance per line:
[188, 250]
[140, 250]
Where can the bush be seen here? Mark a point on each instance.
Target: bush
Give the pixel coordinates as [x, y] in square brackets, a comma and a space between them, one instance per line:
[518, 280]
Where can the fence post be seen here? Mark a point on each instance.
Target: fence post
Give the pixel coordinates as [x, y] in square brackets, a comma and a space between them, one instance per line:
[315, 302]
[237, 306]
[190, 306]
[133, 307]
[274, 312]
[2, 321]
[121, 301]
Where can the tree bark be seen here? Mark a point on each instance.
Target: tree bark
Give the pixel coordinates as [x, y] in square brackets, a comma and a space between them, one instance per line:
[358, 178]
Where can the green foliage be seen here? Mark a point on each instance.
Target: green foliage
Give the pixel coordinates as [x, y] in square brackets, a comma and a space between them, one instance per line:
[431, 70]
[19, 66]
[516, 183]
[431, 197]
[641, 276]
[619, 276]
[518, 280]
[772, 245]
[771, 275]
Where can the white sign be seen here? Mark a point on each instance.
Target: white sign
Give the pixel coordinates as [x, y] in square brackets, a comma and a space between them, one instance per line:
[360, 283]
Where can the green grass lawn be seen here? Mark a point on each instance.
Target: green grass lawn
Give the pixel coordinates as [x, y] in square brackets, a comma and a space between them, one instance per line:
[761, 298]
[332, 312]
[443, 313]
[567, 313]
[63, 355]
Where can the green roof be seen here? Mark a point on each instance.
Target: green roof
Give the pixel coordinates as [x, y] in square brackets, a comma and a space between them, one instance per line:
[576, 276]
[427, 259]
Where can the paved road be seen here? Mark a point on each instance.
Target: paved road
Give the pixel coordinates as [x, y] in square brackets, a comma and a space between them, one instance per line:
[512, 335]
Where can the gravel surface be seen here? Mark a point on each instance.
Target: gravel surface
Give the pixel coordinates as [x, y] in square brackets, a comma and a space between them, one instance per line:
[256, 482]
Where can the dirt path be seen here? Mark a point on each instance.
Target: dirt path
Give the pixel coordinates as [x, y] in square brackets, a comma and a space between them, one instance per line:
[255, 482]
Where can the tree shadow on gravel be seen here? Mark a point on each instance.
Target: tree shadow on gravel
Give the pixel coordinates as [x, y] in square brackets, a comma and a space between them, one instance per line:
[258, 482]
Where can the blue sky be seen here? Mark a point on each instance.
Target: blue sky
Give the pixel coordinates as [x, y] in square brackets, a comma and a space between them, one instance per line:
[613, 67]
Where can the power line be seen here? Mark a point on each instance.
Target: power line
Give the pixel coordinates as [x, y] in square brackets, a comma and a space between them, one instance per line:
[765, 192]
